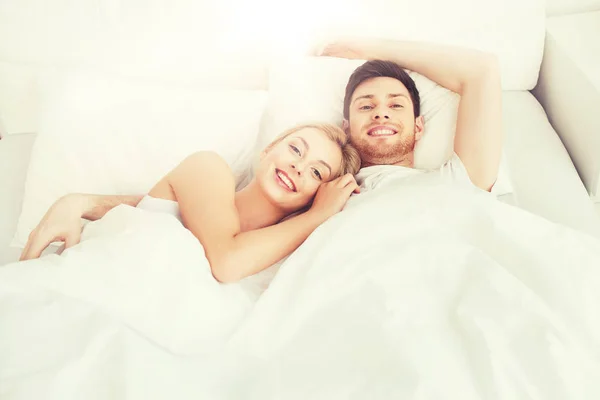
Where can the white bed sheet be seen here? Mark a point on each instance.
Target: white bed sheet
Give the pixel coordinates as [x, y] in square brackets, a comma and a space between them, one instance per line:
[418, 289]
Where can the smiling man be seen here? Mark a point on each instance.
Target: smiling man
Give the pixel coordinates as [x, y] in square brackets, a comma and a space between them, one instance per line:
[387, 137]
[382, 104]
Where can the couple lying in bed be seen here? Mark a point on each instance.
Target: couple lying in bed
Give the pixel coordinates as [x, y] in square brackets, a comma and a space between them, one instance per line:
[312, 168]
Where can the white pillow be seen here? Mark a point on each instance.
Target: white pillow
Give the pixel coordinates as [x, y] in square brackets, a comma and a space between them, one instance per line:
[513, 30]
[311, 89]
[18, 105]
[105, 135]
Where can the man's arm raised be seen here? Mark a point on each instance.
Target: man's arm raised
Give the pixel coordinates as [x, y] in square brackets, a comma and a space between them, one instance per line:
[471, 73]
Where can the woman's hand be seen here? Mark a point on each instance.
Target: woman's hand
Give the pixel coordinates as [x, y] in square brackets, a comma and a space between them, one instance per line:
[62, 223]
[332, 196]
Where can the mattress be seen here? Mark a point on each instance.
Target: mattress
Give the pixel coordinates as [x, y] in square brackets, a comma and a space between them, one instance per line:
[543, 177]
[571, 50]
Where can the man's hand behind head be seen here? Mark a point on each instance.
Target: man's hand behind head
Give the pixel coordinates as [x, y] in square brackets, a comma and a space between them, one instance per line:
[341, 49]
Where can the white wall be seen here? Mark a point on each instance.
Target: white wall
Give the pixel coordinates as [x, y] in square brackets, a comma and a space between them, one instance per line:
[560, 7]
[229, 43]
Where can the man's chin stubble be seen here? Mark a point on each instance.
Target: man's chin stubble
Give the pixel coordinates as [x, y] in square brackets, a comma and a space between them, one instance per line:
[399, 153]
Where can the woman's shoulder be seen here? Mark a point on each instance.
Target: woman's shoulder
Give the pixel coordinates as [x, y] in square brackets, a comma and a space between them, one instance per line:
[208, 164]
[208, 156]
[210, 159]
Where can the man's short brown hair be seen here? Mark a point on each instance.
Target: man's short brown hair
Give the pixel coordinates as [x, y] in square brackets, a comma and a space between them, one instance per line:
[376, 69]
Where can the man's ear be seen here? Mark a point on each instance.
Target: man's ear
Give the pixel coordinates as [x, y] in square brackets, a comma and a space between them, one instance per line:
[345, 125]
[419, 127]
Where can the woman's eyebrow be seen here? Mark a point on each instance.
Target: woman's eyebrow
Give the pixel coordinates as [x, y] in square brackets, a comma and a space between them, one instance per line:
[308, 148]
[326, 165]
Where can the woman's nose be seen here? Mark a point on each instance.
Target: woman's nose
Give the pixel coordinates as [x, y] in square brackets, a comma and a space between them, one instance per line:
[296, 169]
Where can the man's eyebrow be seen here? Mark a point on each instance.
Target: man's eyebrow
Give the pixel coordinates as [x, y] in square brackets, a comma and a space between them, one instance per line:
[308, 148]
[390, 96]
[365, 96]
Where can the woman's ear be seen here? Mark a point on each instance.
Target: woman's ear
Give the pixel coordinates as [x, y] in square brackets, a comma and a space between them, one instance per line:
[419, 127]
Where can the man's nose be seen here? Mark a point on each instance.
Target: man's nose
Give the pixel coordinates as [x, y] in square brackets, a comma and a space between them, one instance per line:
[380, 113]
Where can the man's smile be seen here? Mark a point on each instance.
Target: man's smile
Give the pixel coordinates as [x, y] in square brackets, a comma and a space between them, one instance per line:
[382, 130]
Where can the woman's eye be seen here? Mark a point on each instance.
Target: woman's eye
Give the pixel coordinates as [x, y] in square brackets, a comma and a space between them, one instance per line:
[317, 174]
[295, 149]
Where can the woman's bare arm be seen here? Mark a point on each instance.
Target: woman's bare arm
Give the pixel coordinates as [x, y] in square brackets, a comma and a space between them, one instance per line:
[205, 190]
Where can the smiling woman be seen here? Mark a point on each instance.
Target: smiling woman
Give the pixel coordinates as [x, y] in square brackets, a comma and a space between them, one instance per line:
[241, 231]
[308, 169]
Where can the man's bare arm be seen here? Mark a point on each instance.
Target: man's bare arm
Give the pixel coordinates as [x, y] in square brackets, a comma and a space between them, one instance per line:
[95, 206]
[62, 222]
[471, 73]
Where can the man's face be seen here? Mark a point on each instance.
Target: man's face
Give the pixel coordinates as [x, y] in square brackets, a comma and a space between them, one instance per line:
[382, 123]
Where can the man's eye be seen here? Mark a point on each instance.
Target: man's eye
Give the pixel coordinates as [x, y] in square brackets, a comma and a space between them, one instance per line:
[397, 106]
[365, 108]
[317, 174]
[295, 149]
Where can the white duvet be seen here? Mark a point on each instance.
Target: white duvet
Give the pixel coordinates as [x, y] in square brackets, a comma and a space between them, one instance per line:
[414, 291]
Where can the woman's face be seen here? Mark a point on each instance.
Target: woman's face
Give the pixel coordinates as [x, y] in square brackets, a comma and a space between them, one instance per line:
[291, 171]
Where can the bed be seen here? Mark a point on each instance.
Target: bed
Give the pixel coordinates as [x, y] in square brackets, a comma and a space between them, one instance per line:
[547, 183]
[486, 300]
[495, 300]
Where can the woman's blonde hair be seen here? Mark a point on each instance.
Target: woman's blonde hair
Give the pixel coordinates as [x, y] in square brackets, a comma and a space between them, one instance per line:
[350, 157]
